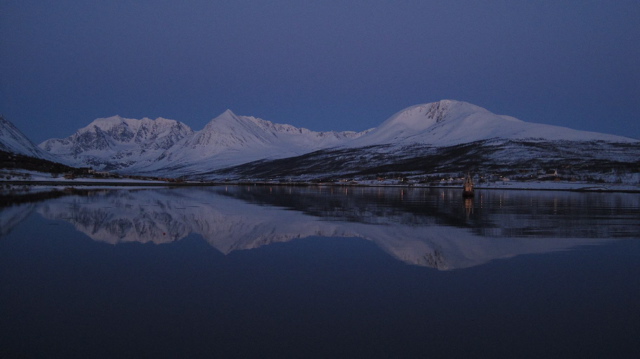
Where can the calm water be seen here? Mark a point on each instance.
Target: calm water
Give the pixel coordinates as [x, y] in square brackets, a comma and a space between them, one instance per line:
[320, 272]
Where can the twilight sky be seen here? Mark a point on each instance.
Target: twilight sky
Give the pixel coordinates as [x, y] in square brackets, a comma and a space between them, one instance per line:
[323, 65]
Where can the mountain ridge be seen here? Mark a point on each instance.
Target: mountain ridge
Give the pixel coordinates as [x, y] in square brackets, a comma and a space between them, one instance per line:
[227, 139]
[450, 122]
[235, 145]
[115, 142]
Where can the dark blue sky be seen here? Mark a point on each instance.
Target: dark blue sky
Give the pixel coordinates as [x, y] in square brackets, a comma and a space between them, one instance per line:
[323, 65]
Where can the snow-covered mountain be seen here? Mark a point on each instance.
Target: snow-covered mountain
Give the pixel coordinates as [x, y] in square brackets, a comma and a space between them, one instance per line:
[115, 143]
[14, 141]
[170, 148]
[230, 139]
[447, 138]
[449, 122]
[161, 146]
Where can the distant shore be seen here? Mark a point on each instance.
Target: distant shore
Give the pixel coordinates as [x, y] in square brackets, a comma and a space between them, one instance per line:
[498, 185]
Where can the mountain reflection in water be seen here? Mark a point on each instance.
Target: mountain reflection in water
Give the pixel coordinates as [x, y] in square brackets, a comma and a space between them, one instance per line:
[427, 227]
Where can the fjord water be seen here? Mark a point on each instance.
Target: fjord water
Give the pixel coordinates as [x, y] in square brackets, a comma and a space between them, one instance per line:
[258, 271]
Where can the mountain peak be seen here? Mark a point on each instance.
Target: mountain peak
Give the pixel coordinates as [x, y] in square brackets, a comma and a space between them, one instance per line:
[414, 121]
[428, 114]
[450, 122]
[432, 113]
[116, 142]
[227, 117]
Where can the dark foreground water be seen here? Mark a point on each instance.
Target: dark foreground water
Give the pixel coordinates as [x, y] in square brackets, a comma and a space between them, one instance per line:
[320, 272]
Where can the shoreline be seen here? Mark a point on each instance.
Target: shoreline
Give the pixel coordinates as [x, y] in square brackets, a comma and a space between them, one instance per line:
[510, 185]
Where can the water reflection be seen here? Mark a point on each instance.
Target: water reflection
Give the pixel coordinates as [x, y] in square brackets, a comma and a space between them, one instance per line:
[427, 227]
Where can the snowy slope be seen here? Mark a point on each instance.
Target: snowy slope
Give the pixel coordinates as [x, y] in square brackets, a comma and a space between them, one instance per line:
[449, 122]
[12, 140]
[116, 142]
[230, 139]
[169, 148]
